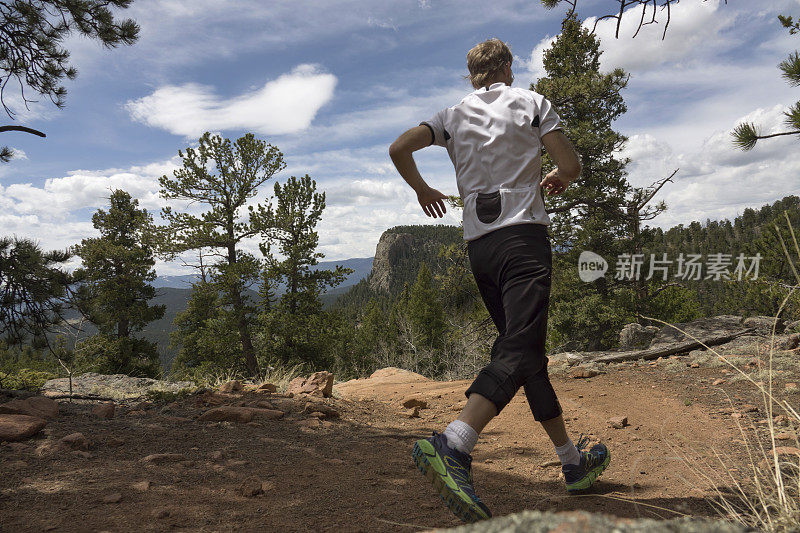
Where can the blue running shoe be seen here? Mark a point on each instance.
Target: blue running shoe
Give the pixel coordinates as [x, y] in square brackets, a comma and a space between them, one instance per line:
[450, 471]
[593, 462]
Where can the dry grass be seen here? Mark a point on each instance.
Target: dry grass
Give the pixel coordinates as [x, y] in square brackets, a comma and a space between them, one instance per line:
[764, 493]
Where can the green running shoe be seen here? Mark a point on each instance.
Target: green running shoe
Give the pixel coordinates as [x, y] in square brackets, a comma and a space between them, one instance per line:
[450, 471]
[593, 462]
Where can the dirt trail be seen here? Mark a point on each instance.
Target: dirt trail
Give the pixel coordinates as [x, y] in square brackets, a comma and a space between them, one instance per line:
[355, 473]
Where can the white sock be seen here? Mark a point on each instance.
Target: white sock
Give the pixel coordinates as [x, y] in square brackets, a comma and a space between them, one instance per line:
[461, 436]
[568, 453]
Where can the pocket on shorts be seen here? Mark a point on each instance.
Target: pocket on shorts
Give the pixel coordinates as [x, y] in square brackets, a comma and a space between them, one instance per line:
[488, 206]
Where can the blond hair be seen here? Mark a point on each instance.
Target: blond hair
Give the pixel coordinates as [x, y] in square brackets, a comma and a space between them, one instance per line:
[486, 59]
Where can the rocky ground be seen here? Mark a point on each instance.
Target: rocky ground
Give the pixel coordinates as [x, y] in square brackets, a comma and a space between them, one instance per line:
[240, 459]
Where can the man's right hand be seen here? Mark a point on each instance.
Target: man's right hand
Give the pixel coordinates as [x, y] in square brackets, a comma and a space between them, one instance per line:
[554, 183]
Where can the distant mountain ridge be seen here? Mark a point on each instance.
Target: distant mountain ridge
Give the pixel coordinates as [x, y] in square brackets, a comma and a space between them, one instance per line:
[361, 266]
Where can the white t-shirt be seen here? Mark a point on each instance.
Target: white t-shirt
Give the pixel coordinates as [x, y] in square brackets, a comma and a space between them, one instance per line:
[493, 137]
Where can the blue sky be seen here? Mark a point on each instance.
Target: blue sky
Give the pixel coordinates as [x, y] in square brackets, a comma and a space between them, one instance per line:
[333, 83]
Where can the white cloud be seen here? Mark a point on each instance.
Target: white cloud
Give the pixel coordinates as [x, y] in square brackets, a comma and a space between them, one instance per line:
[285, 105]
[717, 180]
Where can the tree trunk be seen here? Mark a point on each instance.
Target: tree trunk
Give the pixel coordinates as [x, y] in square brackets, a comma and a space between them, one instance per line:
[241, 321]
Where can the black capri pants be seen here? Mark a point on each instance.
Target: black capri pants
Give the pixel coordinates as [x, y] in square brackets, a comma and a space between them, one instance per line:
[512, 267]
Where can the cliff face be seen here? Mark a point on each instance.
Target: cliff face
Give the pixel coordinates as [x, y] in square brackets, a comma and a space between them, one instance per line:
[392, 248]
[402, 249]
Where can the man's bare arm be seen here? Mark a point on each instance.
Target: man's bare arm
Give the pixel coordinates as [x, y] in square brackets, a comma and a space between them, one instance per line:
[568, 166]
[401, 152]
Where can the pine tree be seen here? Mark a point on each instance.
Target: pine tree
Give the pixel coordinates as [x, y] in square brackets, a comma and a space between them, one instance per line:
[425, 310]
[591, 213]
[746, 135]
[116, 272]
[34, 290]
[222, 176]
[291, 224]
[31, 34]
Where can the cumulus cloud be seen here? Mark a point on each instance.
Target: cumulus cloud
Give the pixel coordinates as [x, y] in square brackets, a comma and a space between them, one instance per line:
[717, 180]
[285, 105]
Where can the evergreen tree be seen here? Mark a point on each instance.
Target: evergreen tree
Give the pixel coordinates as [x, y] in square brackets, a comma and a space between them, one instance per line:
[205, 334]
[34, 290]
[115, 276]
[31, 34]
[425, 310]
[291, 223]
[222, 176]
[591, 213]
[746, 135]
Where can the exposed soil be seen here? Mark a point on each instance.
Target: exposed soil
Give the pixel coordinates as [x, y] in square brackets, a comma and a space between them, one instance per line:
[355, 473]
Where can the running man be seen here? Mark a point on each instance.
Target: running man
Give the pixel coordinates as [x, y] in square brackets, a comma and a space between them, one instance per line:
[494, 137]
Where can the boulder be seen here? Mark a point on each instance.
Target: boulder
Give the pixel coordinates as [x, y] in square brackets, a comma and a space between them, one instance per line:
[763, 324]
[700, 328]
[14, 427]
[326, 411]
[585, 522]
[317, 384]
[37, 406]
[114, 386]
[635, 336]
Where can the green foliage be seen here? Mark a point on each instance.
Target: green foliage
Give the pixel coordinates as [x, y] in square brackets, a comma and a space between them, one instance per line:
[205, 334]
[31, 35]
[746, 135]
[424, 310]
[791, 25]
[292, 225]
[109, 354]
[222, 176]
[166, 396]
[118, 267]
[25, 379]
[115, 291]
[34, 289]
[295, 329]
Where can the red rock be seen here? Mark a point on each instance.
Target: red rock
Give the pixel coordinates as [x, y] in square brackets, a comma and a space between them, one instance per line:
[719, 381]
[217, 456]
[326, 411]
[748, 408]
[265, 414]
[75, 441]
[582, 373]
[694, 365]
[104, 410]
[411, 402]
[37, 406]
[227, 414]
[15, 427]
[82, 453]
[267, 387]
[791, 387]
[160, 513]
[163, 458]
[317, 384]
[264, 404]
[784, 436]
[618, 422]
[231, 386]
